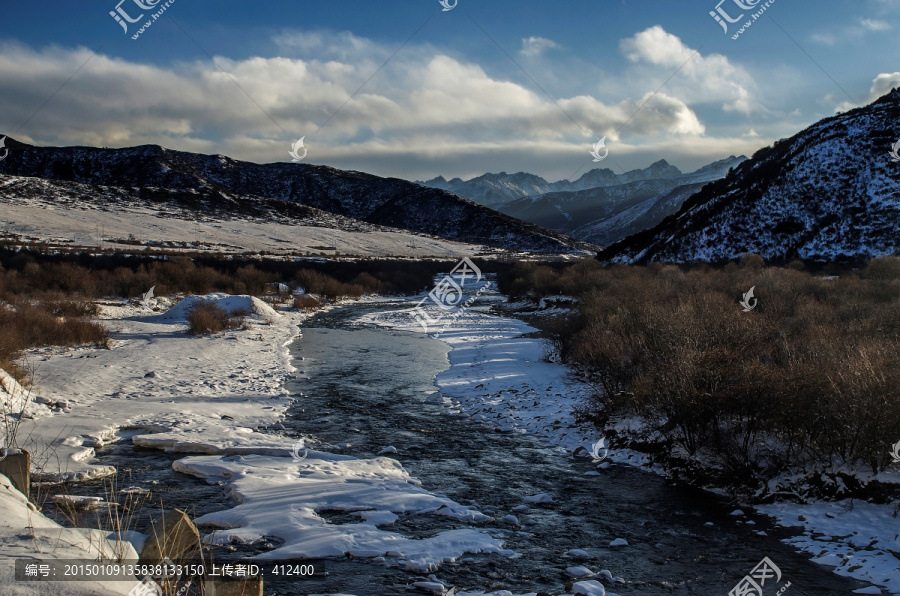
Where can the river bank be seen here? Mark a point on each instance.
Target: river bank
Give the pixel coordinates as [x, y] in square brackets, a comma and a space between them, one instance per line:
[493, 376]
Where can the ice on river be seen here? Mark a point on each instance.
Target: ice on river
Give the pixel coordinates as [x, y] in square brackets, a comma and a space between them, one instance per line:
[282, 498]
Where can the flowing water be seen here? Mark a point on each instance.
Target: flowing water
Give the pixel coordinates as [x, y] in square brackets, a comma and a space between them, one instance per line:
[366, 387]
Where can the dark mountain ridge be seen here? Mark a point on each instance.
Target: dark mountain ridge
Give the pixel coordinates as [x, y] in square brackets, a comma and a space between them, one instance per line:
[220, 183]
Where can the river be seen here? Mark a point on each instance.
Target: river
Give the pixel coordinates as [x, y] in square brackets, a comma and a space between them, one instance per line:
[364, 389]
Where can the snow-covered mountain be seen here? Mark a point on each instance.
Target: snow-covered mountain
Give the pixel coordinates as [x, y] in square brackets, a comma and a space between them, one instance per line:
[493, 190]
[601, 207]
[215, 184]
[606, 214]
[831, 192]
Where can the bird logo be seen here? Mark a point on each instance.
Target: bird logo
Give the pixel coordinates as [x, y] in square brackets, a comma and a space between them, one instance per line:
[601, 144]
[896, 453]
[447, 6]
[748, 306]
[146, 298]
[295, 150]
[3, 146]
[148, 587]
[596, 448]
[895, 151]
[295, 451]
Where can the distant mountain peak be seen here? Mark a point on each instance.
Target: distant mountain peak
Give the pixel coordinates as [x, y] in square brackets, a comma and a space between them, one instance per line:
[494, 189]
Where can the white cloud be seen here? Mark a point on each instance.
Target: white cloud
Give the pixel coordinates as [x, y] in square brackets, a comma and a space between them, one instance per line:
[422, 102]
[881, 85]
[884, 83]
[536, 46]
[701, 78]
[823, 38]
[876, 25]
[854, 32]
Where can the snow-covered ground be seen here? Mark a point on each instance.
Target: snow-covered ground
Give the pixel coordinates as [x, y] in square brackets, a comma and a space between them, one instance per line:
[858, 539]
[26, 534]
[498, 376]
[37, 221]
[189, 394]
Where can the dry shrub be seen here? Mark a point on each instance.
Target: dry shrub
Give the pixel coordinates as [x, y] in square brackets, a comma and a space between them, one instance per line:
[315, 282]
[24, 326]
[71, 308]
[368, 283]
[207, 317]
[810, 376]
[307, 302]
[883, 268]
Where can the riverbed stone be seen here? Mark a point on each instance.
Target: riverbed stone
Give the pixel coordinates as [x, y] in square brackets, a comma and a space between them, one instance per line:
[172, 534]
[17, 467]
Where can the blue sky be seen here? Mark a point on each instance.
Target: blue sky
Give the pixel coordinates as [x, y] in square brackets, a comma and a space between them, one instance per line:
[488, 86]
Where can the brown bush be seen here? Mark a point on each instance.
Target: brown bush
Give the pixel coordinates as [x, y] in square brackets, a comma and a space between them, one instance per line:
[25, 326]
[307, 302]
[71, 308]
[315, 282]
[206, 317]
[811, 375]
[883, 268]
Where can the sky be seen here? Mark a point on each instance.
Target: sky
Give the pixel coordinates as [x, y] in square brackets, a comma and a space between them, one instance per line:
[408, 89]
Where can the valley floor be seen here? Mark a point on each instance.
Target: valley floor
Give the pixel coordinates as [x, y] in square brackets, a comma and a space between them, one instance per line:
[210, 398]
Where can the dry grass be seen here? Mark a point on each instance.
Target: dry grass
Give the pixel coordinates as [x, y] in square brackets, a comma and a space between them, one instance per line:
[38, 277]
[207, 317]
[811, 375]
[307, 302]
[24, 325]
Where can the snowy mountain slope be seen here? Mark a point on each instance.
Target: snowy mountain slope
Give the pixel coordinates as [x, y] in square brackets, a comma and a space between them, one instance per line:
[640, 216]
[74, 215]
[491, 190]
[237, 186]
[831, 192]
